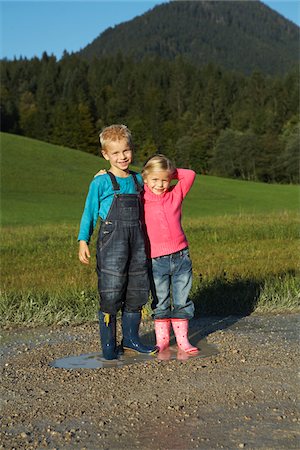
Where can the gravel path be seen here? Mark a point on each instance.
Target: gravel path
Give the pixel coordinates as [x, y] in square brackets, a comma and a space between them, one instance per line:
[244, 396]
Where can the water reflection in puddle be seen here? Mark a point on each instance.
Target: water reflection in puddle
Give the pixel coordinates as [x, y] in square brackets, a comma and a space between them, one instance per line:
[96, 360]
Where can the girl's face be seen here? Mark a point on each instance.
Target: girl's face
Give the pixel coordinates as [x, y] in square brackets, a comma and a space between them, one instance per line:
[158, 181]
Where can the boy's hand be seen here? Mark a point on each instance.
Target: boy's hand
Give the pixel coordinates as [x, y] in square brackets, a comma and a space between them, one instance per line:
[101, 172]
[84, 252]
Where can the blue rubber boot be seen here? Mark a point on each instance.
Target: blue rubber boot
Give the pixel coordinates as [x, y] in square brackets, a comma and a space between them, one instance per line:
[108, 327]
[131, 340]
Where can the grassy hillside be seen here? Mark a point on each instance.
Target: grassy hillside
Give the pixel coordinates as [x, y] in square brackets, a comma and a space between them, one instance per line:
[43, 183]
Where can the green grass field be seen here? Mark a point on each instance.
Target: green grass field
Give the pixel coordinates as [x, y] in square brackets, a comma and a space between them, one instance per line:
[244, 239]
[44, 183]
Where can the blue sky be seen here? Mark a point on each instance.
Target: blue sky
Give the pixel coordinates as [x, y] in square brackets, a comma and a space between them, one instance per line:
[28, 28]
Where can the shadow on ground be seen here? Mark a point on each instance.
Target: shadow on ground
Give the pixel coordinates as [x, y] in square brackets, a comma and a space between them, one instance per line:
[220, 303]
[223, 297]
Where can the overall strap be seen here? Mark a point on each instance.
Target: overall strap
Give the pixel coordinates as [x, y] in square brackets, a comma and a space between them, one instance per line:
[137, 184]
[115, 184]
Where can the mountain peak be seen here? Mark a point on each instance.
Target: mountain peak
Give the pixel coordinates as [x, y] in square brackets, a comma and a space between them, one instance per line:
[243, 36]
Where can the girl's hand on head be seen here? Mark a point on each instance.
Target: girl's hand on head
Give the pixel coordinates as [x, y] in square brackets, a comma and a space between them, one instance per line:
[101, 172]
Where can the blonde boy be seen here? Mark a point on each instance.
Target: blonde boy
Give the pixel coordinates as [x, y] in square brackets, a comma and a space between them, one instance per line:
[122, 270]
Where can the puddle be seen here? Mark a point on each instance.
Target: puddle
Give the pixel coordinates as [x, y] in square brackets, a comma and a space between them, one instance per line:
[96, 360]
[261, 329]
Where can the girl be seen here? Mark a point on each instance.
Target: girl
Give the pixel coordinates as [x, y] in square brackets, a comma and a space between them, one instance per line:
[168, 249]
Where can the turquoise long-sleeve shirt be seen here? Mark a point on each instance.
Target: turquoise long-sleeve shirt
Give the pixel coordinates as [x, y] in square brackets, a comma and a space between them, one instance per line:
[99, 200]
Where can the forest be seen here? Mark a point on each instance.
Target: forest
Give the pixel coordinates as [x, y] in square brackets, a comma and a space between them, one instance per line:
[208, 118]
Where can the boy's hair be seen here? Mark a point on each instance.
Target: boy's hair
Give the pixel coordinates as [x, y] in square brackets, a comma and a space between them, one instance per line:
[115, 133]
[158, 162]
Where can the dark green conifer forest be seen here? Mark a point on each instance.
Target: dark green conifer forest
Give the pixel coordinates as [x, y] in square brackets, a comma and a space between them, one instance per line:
[216, 120]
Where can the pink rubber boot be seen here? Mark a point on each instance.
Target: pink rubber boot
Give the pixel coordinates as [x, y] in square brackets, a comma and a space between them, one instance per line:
[180, 327]
[162, 332]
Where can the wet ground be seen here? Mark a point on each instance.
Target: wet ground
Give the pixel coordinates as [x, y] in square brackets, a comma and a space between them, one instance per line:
[242, 391]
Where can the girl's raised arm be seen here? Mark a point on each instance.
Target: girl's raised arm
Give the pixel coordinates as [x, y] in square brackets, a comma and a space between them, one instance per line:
[186, 178]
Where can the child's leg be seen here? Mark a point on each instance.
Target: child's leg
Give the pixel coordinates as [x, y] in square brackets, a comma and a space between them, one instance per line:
[112, 259]
[131, 340]
[183, 308]
[180, 327]
[137, 293]
[112, 263]
[162, 333]
[182, 275]
[161, 305]
[107, 323]
[138, 285]
[160, 282]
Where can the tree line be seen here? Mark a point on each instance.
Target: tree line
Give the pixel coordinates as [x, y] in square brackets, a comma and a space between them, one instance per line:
[207, 118]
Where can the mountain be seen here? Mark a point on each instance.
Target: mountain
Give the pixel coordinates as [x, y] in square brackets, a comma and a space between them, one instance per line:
[238, 35]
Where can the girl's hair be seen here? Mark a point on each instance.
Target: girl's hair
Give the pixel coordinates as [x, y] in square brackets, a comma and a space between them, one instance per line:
[158, 162]
[115, 133]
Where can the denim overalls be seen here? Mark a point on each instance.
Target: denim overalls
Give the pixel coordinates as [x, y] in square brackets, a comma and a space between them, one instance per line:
[122, 266]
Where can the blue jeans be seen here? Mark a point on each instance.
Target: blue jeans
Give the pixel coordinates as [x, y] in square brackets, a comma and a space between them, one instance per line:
[172, 273]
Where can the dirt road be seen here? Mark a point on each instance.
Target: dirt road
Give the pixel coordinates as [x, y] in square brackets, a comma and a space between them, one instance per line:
[244, 396]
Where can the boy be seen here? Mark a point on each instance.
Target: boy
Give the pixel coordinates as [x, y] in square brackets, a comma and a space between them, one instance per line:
[121, 258]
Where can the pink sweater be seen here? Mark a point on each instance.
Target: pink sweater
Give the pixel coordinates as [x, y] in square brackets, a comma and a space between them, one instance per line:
[163, 215]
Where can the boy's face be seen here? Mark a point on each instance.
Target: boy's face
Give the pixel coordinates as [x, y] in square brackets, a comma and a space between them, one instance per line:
[158, 181]
[119, 154]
